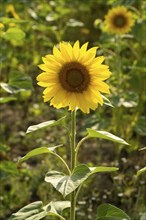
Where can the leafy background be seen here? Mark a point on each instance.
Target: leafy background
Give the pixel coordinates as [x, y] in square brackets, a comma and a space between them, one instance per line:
[29, 29]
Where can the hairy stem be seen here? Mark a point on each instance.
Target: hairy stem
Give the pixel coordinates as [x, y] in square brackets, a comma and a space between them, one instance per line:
[73, 161]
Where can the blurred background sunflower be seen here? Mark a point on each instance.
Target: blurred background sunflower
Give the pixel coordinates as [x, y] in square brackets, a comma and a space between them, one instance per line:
[119, 20]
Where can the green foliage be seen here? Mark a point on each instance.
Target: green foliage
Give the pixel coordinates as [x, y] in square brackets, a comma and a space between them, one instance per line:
[37, 211]
[110, 212]
[28, 30]
[8, 168]
[14, 34]
[67, 184]
[105, 135]
[38, 151]
[139, 172]
[45, 124]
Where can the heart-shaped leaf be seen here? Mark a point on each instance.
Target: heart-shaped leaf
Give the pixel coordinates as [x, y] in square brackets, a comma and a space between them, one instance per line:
[66, 184]
[45, 124]
[36, 210]
[38, 151]
[110, 212]
[105, 135]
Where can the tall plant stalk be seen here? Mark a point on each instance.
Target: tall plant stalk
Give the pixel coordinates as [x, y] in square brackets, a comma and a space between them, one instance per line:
[73, 161]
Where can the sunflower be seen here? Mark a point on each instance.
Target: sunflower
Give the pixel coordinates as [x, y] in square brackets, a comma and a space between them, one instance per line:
[73, 77]
[119, 20]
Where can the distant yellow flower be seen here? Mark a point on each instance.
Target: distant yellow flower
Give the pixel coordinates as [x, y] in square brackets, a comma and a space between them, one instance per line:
[74, 77]
[1, 25]
[119, 20]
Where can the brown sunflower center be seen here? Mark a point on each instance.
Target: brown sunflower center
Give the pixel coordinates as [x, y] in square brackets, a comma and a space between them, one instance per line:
[120, 21]
[74, 77]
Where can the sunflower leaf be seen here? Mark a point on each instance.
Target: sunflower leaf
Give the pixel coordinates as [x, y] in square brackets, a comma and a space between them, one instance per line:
[66, 184]
[38, 151]
[45, 124]
[110, 212]
[37, 211]
[105, 135]
[56, 208]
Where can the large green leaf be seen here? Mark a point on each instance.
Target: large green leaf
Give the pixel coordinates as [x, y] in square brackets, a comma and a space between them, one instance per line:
[33, 211]
[45, 124]
[105, 135]
[36, 210]
[110, 212]
[38, 151]
[66, 184]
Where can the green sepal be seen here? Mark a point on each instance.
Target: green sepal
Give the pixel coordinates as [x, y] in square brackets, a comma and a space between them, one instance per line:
[106, 101]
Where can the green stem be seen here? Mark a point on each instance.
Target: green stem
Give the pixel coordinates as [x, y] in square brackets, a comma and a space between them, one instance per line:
[78, 191]
[63, 163]
[73, 161]
[79, 144]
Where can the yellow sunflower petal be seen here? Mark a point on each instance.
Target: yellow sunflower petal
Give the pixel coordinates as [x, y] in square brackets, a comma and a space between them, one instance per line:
[100, 74]
[73, 77]
[103, 87]
[83, 48]
[65, 53]
[76, 50]
[81, 103]
[46, 77]
[97, 61]
[89, 55]
[58, 55]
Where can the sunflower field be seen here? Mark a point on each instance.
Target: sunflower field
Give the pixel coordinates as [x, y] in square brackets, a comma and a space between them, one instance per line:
[73, 104]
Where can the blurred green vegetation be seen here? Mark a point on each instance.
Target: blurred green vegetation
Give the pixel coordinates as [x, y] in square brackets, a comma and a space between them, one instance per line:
[29, 29]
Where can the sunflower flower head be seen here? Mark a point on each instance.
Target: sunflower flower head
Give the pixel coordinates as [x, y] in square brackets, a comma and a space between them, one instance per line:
[74, 77]
[119, 20]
